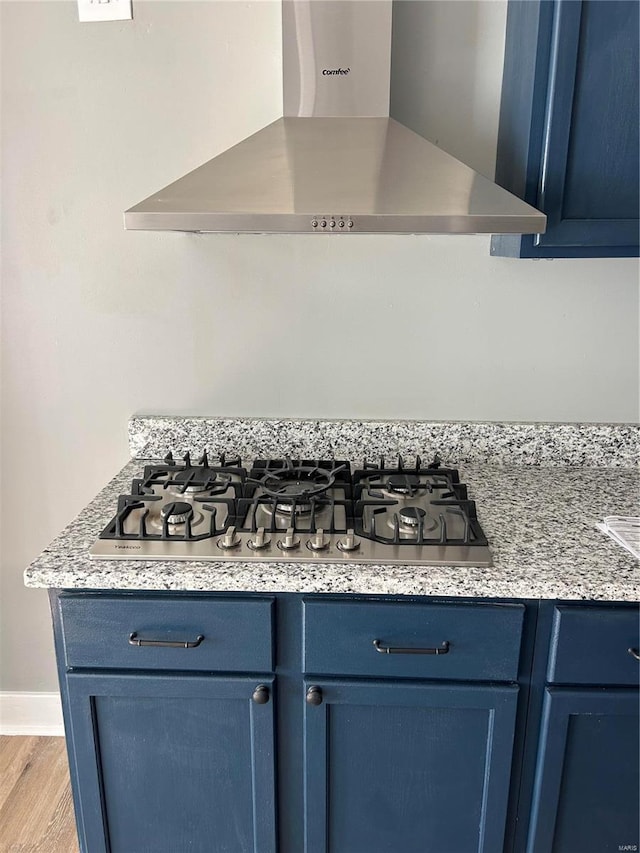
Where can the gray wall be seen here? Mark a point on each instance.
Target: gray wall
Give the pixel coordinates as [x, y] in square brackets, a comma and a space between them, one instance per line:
[99, 323]
[447, 72]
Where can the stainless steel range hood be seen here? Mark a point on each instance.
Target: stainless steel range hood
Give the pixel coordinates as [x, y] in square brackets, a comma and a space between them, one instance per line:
[336, 162]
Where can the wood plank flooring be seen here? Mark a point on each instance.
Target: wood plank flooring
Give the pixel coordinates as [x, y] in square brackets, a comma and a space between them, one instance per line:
[36, 811]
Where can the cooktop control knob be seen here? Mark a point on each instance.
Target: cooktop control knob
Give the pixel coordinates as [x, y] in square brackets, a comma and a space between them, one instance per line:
[350, 223]
[349, 543]
[314, 223]
[290, 541]
[260, 540]
[318, 541]
[229, 540]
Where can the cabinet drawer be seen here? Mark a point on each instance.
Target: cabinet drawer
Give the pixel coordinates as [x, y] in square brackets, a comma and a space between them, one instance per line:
[590, 645]
[483, 639]
[236, 634]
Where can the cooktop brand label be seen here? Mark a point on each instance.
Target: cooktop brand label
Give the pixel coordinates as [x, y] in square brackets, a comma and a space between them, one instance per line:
[335, 71]
[127, 547]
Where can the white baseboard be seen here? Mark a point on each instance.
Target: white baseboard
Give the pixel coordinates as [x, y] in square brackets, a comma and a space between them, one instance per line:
[30, 714]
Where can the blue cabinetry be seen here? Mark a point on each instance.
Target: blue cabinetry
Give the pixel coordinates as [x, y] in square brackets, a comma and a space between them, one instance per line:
[253, 724]
[417, 754]
[169, 705]
[586, 790]
[568, 138]
[586, 774]
[169, 763]
[482, 639]
[407, 767]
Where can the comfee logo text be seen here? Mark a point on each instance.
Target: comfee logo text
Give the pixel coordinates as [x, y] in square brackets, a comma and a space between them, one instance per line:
[330, 72]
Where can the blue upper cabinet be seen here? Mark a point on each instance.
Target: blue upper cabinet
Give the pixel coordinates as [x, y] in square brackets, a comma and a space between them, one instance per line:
[568, 140]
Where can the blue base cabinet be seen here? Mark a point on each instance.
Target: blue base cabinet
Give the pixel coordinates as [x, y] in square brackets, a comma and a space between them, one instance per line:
[173, 763]
[568, 139]
[586, 786]
[170, 716]
[586, 790]
[407, 767]
[409, 725]
[239, 723]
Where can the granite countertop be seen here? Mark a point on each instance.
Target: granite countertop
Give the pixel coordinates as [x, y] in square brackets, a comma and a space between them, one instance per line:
[540, 523]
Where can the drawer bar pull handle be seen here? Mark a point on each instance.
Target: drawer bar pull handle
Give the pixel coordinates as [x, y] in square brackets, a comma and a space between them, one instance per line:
[389, 650]
[634, 653]
[135, 640]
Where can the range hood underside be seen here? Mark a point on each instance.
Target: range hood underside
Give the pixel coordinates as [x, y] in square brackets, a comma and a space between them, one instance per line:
[298, 173]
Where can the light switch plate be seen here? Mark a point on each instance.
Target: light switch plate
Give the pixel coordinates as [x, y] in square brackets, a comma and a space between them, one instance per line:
[104, 10]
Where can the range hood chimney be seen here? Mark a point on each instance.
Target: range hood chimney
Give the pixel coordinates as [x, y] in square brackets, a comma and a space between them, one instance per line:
[336, 162]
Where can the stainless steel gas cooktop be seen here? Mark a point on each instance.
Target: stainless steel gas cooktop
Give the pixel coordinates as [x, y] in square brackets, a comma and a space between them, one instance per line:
[296, 511]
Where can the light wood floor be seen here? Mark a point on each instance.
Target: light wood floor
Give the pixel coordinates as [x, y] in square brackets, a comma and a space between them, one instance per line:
[36, 812]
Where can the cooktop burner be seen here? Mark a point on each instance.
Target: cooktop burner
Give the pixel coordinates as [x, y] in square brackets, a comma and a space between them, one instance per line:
[295, 511]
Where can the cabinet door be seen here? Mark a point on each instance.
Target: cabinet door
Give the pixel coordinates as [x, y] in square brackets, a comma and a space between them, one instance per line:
[163, 764]
[586, 791]
[407, 767]
[568, 140]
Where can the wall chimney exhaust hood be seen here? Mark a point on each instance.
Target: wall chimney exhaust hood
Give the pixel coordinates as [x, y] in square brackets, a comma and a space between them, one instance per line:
[336, 162]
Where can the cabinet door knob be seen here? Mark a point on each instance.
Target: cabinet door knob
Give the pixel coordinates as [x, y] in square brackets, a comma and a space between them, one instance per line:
[261, 694]
[314, 696]
[635, 653]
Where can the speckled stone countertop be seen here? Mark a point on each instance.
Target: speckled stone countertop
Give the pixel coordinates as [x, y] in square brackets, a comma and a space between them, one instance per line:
[542, 444]
[540, 523]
